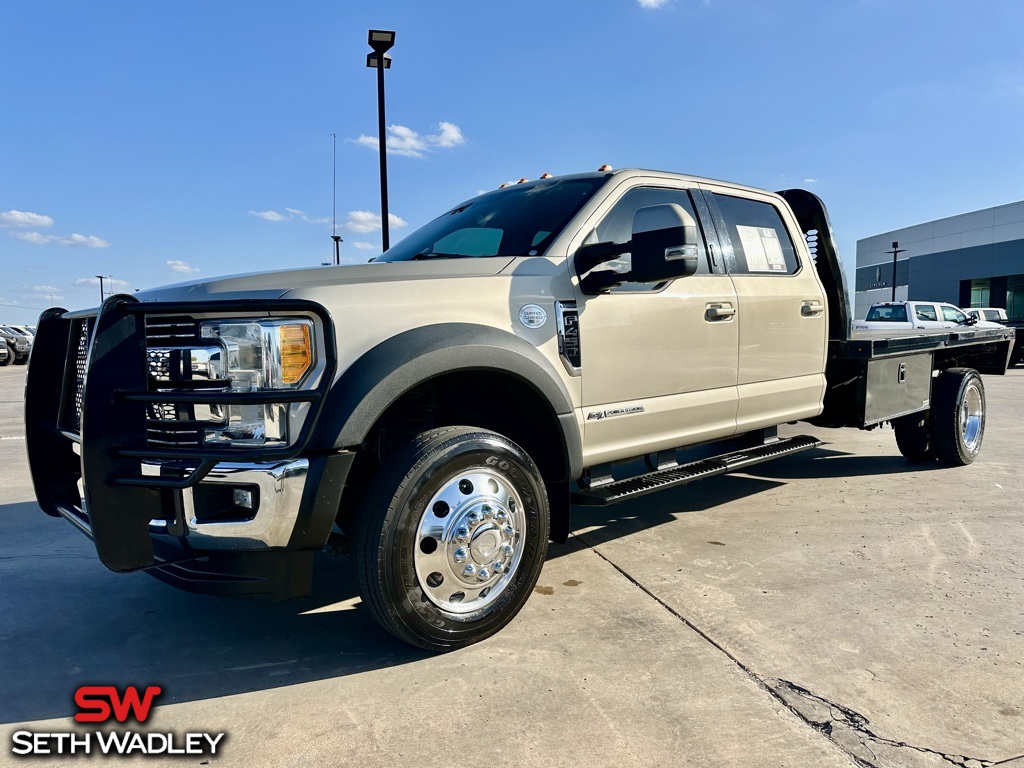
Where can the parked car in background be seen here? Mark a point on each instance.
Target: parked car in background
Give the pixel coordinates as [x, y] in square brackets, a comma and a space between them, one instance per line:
[6, 358]
[17, 343]
[910, 315]
[25, 330]
[989, 314]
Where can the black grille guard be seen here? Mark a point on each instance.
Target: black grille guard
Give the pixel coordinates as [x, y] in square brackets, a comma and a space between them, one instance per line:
[113, 438]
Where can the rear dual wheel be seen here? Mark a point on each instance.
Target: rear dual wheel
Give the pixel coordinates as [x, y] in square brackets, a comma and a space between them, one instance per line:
[953, 429]
[958, 415]
[451, 537]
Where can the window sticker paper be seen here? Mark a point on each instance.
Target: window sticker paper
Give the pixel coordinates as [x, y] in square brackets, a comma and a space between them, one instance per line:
[762, 249]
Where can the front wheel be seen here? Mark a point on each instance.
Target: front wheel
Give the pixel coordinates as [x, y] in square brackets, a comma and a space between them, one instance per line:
[451, 537]
[958, 416]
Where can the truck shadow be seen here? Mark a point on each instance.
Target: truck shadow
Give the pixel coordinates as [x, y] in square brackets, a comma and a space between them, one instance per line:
[825, 462]
[67, 621]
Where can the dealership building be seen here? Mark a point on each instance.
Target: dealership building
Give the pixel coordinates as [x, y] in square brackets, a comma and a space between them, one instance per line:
[971, 260]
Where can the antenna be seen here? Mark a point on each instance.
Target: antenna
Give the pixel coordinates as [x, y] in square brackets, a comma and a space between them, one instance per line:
[334, 203]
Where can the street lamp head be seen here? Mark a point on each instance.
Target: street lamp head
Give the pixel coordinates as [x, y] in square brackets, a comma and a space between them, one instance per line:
[381, 40]
[895, 243]
[373, 60]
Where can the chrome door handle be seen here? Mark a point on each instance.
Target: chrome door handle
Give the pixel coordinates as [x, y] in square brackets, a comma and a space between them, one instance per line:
[719, 312]
[809, 308]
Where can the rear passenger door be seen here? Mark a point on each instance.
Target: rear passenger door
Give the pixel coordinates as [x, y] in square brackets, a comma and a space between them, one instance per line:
[926, 316]
[781, 308]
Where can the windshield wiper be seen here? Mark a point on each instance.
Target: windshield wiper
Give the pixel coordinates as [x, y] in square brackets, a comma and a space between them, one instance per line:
[436, 255]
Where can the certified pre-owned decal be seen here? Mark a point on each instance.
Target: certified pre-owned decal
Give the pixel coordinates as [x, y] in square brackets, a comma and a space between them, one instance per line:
[596, 415]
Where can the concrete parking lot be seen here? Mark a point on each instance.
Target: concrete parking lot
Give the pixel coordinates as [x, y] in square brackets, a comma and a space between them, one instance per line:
[836, 608]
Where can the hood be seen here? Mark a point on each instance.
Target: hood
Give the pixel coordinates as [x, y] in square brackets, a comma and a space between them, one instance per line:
[274, 285]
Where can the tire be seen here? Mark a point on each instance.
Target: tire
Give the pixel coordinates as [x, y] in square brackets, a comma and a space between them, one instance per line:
[958, 416]
[914, 436]
[8, 360]
[484, 500]
[21, 360]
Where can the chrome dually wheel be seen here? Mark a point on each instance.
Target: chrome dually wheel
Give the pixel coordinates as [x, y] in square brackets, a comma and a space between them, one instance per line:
[958, 416]
[469, 541]
[451, 537]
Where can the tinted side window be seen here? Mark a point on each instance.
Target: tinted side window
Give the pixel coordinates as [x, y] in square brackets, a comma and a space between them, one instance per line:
[617, 225]
[925, 312]
[760, 241]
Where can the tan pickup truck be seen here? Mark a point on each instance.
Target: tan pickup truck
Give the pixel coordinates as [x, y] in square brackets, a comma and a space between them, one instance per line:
[438, 411]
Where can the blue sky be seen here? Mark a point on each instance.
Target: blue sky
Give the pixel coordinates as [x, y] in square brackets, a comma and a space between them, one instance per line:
[148, 140]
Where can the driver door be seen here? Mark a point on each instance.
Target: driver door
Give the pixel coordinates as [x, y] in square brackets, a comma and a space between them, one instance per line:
[659, 361]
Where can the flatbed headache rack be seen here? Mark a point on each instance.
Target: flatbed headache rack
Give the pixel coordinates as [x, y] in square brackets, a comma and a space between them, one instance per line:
[874, 376]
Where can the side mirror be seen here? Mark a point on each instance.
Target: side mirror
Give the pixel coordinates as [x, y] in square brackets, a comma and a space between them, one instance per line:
[664, 244]
[971, 320]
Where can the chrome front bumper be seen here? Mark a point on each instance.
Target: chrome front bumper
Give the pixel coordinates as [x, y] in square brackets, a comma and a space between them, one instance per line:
[279, 485]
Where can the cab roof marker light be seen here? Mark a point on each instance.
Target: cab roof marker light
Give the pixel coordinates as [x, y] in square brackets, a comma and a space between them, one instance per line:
[522, 181]
[545, 175]
[605, 167]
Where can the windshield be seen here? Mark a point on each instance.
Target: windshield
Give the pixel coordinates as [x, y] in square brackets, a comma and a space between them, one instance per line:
[520, 220]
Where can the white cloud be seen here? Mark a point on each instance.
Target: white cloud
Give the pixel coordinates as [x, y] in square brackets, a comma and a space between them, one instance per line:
[45, 288]
[89, 241]
[367, 221]
[810, 181]
[652, 3]
[181, 266]
[362, 245]
[269, 215]
[47, 296]
[108, 282]
[32, 237]
[14, 218]
[405, 141]
[293, 213]
[37, 238]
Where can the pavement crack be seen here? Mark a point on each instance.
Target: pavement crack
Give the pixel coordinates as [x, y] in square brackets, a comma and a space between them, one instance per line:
[845, 727]
[842, 722]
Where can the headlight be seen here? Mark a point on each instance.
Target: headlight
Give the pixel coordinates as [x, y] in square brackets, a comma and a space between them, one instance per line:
[255, 356]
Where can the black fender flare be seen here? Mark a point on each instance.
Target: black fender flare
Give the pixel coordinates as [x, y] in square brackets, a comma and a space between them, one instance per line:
[366, 389]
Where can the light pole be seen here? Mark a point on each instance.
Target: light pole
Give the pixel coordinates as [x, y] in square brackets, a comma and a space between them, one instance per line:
[337, 244]
[896, 250]
[334, 205]
[100, 277]
[381, 41]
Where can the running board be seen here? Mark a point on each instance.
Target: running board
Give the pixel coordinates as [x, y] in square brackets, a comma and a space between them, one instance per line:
[632, 487]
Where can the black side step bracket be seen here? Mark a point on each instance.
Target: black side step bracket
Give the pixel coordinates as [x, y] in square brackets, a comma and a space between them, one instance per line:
[671, 477]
